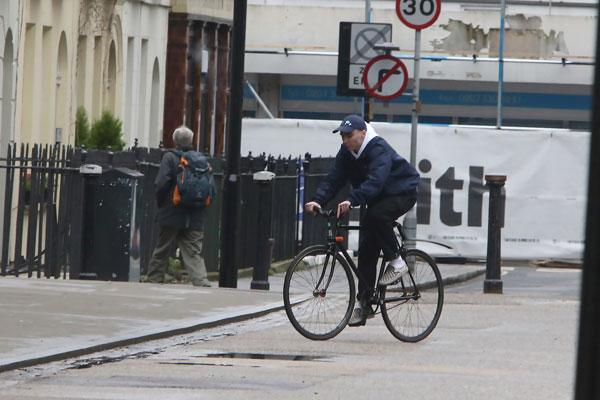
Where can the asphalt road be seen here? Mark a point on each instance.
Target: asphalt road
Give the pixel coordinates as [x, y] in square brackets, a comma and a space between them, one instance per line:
[519, 345]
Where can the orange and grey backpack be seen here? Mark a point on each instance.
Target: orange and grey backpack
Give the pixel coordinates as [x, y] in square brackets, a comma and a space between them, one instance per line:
[195, 185]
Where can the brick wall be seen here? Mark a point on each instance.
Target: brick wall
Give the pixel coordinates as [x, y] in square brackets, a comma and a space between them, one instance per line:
[175, 94]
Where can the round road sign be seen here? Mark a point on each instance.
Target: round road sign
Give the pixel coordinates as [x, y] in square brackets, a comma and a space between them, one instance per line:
[385, 77]
[418, 14]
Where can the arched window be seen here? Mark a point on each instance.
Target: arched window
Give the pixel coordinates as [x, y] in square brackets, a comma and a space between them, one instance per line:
[7, 92]
[111, 79]
[61, 117]
[155, 134]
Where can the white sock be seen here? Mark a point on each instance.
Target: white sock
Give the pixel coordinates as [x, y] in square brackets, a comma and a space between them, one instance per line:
[397, 263]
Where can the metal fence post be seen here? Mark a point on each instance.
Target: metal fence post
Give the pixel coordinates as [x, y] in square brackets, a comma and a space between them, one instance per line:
[260, 274]
[493, 278]
[8, 196]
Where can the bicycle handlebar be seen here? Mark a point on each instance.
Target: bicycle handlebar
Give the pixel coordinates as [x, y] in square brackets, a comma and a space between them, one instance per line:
[332, 214]
[326, 213]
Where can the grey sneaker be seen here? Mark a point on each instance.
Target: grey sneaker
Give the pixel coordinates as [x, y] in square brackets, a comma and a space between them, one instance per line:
[203, 283]
[391, 275]
[360, 315]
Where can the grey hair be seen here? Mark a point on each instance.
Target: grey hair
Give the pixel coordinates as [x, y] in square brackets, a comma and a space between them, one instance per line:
[182, 136]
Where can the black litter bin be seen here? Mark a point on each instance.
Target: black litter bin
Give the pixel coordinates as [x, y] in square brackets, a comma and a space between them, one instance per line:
[111, 229]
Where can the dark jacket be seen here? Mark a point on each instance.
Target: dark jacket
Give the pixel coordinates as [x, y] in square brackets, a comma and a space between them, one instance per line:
[378, 172]
[181, 217]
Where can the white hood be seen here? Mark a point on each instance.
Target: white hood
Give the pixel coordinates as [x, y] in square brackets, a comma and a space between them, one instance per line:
[370, 135]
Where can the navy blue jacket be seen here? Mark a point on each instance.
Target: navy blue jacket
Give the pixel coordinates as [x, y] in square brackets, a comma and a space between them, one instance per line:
[378, 172]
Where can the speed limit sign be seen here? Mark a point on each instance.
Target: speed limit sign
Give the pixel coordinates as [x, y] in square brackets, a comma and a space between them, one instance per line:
[418, 14]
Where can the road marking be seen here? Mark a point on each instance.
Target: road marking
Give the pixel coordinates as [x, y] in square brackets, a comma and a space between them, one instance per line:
[558, 270]
[506, 270]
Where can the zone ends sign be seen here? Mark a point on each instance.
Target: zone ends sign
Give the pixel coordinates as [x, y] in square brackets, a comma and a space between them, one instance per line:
[356, 48]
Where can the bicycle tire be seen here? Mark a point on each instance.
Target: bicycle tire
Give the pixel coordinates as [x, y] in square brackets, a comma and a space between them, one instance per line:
[300, 288]
[402, 314]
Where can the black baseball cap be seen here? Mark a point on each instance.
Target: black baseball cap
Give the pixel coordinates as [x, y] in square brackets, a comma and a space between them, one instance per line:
[350, 123]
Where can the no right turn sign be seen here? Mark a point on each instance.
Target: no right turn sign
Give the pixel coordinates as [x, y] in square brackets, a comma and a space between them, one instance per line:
[385, 77]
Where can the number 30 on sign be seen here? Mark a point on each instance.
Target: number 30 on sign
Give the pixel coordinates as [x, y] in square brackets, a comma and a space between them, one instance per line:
[418, 14]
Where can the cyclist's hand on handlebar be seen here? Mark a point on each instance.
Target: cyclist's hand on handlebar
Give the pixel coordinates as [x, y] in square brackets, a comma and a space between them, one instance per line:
[312, 207]
[343, 208]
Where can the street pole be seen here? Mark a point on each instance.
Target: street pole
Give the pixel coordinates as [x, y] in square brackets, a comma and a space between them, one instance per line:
[366, 103]
[415, 97]
[587, 384]
[493, 271]
[410, 221]
[230, 212]
[501, 63]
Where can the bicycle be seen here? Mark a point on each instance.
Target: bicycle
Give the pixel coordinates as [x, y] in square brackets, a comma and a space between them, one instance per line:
[319, 289]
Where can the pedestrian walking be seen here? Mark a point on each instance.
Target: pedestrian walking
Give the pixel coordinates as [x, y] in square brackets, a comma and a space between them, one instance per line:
[179, 222]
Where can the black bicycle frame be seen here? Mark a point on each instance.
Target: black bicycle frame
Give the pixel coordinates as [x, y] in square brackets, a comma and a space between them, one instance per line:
[335, 246]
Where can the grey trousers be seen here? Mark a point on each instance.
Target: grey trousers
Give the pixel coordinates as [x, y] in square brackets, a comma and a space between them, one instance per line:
[189, 242]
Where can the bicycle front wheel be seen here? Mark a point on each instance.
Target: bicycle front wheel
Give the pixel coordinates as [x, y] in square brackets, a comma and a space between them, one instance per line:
[412, 307]
[318, 293]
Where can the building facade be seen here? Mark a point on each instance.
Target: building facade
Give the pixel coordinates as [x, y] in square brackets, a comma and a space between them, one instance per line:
[9, 40]
[144, 40]
[9, 43]
[535, 94]
[97, 54]
[198, 71]
[45, 71]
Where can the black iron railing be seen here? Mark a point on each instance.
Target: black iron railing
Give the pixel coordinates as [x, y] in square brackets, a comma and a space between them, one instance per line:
[44, 216]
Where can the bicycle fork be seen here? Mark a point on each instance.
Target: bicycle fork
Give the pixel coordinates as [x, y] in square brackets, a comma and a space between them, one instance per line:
[323, 292]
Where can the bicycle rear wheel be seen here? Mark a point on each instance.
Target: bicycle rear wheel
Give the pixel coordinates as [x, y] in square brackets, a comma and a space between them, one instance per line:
[319, 293]
[412, 307]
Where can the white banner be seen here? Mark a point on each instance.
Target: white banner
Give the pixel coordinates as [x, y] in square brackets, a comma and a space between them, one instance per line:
[546, 187]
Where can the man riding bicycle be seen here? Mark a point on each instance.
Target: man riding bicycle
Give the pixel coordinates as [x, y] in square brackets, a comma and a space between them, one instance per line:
[383, 181]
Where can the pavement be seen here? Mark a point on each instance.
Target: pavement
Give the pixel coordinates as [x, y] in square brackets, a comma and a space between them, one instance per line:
[44, 320]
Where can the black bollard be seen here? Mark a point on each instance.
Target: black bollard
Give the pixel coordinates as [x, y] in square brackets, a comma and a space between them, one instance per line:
[493, 278]
[260, 274]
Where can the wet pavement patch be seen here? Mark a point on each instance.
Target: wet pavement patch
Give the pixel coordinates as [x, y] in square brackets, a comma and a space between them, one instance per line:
[261, 356]
[197, 363]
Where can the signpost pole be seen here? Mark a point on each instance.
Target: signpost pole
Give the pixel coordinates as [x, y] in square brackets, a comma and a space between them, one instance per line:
[410, 221]
[587, 383]
[366, 103]
[415, 98]
[500, 63]
[417, 15]
[230, 216]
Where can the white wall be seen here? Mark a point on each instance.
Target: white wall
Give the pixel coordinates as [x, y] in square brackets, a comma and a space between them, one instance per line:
[148, 22]
[9, 43]
[9, 36]
[314, 26]
[46, 71]
[546, 187]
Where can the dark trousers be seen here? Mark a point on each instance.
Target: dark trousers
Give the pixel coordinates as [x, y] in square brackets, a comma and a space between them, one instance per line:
[378, 235]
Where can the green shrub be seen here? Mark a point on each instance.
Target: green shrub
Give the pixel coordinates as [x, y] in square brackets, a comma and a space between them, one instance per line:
[82, 128]
[106, 133]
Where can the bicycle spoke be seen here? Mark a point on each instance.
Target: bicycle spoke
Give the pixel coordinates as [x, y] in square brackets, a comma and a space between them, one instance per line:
[326, 292]
[413, 319]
